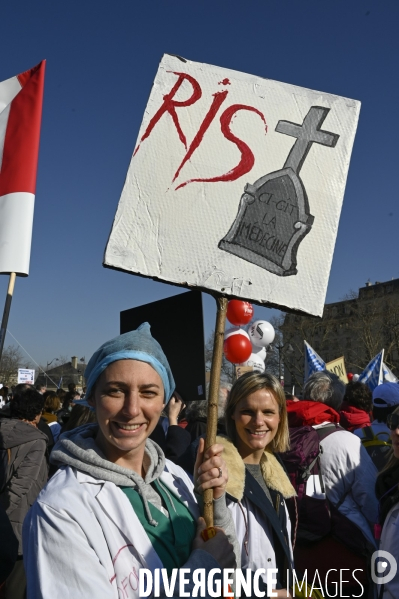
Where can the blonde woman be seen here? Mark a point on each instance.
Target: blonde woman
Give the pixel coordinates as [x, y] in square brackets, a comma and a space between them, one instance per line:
[387, 491]
[256, 426]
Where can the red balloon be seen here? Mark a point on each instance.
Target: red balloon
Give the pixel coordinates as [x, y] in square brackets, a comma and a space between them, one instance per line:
[239, 312]
[237, 348]
[350, 376]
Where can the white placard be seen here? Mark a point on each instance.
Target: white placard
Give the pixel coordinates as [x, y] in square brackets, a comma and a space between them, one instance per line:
[26, 375]
[235, 186]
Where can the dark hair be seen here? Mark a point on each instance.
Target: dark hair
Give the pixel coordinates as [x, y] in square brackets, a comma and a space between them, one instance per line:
[381, 414]
[27, 404]
[79, 415]
[68, 398]
[359, 395]
[20, 387]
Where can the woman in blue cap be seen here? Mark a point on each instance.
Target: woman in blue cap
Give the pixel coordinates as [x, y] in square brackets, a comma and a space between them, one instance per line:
[116, 506]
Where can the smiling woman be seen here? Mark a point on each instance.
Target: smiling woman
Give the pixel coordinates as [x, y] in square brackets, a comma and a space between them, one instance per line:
[128, 398]
[256, 426]
[116, 505]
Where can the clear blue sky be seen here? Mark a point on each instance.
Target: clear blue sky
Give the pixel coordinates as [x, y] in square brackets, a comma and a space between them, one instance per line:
[101, 60]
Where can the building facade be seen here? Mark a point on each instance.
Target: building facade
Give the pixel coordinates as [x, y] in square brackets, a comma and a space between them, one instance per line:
[63, 375]
[358, 327]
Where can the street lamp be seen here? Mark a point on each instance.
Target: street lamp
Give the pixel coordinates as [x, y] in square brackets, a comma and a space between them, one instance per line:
[284, 348]
[49, 364]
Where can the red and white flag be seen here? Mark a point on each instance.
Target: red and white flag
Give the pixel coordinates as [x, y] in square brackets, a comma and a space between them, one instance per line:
[21, 100]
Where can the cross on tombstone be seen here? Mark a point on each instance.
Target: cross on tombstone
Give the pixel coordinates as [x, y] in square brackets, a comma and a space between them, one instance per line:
[307, 134]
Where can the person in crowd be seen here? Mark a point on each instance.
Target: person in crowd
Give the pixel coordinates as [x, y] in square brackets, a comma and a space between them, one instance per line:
[80, 415]
[172, 439]
[387, 491]
[348, 473]
[385, 401]
[26, 471]
[61, 394]
[115, 502]
[356, 407]
[72, 388]
[41, 388]
[41, 425]
[376, 438]
[196, 412]
[3, 396]
[52, 404]
[64, 414]
[256, 427]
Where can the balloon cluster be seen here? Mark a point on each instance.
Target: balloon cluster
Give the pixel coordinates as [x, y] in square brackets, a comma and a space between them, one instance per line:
[246, 348]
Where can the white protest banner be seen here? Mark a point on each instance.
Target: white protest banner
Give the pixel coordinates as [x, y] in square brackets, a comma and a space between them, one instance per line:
[26, 375]
[235, 186]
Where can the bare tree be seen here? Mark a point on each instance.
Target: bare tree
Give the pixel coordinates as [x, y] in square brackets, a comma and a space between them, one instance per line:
[358, 327]
[272, 361]
[374, 326]
[227, 371]
[295, 329]
[11, 360]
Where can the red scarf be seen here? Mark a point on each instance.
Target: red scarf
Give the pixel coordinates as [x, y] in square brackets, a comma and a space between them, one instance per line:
[308, 413]
[353, 418]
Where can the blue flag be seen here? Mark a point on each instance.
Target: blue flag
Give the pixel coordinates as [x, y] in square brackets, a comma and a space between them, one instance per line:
[313, 362]
[387, 374]
[372, 375]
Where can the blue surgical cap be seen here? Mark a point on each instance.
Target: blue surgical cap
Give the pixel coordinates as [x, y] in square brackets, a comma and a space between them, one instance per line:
[134, 345]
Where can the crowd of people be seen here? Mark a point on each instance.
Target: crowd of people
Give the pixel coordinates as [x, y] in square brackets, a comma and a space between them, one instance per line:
[95, 488]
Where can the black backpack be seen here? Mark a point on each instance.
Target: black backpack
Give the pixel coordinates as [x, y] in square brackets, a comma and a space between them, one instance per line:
[378, 449]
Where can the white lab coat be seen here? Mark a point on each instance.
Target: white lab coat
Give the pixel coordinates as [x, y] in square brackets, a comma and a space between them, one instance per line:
[251, 523]
[390, 543]
[348, 471]
[91, 529]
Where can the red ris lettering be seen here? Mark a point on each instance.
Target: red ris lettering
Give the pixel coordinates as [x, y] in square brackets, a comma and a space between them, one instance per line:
[169, 106]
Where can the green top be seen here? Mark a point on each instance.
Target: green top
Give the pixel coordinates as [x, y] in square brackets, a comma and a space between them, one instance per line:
[173, 537]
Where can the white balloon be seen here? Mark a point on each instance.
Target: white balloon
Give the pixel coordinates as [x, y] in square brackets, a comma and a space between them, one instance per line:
[261, 333]
[356, 377]
[256, 362]
[235, 331]
[259, 351]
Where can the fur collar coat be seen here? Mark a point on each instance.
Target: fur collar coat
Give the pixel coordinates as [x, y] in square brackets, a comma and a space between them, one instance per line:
[273, 472]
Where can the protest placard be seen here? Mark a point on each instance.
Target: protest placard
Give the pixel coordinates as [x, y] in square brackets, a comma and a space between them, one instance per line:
[235, 186]
[338, 367]
[26, 375]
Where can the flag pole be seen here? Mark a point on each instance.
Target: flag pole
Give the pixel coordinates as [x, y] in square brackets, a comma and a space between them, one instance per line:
[212, 416]
[6, 313]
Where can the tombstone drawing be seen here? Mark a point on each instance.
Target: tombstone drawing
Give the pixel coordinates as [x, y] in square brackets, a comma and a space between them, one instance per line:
[274, 216]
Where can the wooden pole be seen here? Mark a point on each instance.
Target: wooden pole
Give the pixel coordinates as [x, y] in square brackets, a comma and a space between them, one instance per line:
[6, 312]
[212, 417]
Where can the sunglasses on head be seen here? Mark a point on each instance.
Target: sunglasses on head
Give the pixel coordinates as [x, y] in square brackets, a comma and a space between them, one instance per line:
[393, 421]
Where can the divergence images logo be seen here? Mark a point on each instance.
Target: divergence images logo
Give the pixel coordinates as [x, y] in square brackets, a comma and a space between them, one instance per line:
[383, 570]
